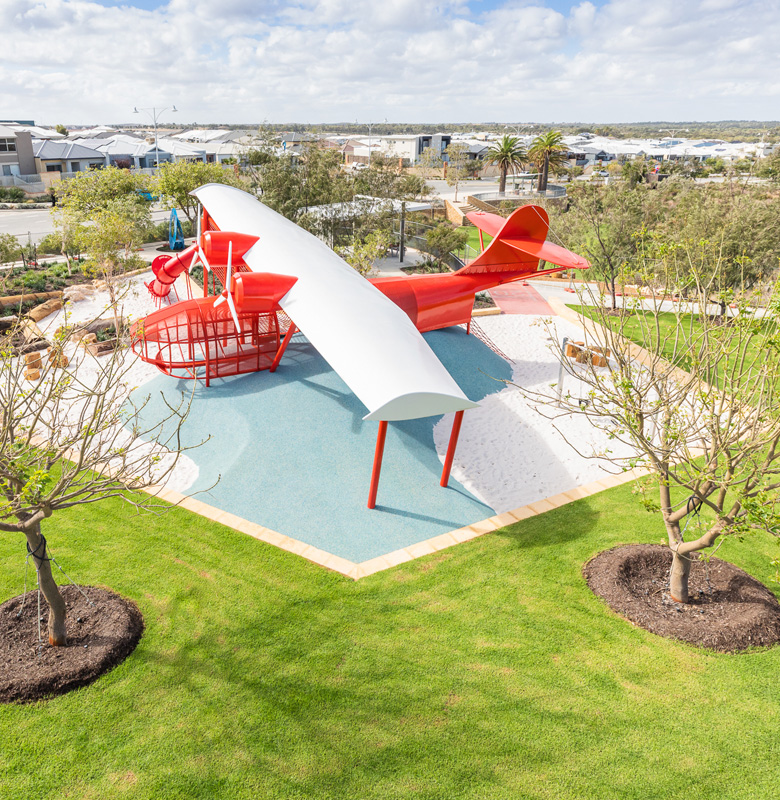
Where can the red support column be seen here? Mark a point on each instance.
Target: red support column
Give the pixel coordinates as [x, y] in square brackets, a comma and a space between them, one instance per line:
[445, 475]
[378, 453]
[481, 242]
[280, 352]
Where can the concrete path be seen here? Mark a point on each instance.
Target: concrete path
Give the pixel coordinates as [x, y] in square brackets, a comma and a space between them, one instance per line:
[520, 298]
[392, 266]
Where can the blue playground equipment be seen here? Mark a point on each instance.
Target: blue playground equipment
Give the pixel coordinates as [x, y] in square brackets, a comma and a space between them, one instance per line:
[175, 233]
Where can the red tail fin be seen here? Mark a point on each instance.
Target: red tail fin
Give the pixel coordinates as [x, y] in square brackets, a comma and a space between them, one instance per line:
[519, 244]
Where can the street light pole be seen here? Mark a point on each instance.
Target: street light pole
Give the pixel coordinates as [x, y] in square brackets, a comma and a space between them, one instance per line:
[154, 115]
[370, 125]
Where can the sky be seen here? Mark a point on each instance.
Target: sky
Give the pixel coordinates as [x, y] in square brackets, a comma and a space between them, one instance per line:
[81, 62]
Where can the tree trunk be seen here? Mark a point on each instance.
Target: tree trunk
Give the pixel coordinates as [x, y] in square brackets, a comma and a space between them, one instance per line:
[57, 635]
[678, 578]
[612, 292]
[502, 183]
[542, 185]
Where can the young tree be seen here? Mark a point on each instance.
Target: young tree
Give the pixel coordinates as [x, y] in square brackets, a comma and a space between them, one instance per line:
[291, 185]
[508, 155]
[412, 187]
[634, 172]
[445, 239]
[106, 214]
[176, 179]
[67, 226]
[740, 220]
[457, 165]
[700, 411]
[769, 167]
[9, 248]
[91, 190]
[110, 242]
[429, 163]
[602, 223]
[361, 256]
[70, 440]
[547, 149]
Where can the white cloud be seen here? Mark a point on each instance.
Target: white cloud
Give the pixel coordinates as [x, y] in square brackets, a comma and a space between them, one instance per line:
[74, 61]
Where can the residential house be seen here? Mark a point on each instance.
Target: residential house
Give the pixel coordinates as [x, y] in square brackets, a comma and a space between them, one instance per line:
[16, 152]
[59, 156]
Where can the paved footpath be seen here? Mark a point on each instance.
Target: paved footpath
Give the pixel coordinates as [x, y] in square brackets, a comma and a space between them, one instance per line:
[520, 298]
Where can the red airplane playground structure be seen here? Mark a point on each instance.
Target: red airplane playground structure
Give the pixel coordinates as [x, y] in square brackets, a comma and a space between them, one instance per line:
[245, 318]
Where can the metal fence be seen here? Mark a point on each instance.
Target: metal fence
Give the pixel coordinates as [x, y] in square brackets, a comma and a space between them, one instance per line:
[520, 194]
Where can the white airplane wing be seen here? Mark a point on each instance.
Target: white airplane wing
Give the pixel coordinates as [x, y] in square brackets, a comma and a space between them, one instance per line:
[370, 342]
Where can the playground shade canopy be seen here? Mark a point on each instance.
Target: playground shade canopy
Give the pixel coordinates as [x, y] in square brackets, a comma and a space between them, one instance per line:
[368, 340]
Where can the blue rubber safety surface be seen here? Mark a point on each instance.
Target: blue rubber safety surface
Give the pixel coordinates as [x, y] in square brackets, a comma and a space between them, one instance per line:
[291, 452]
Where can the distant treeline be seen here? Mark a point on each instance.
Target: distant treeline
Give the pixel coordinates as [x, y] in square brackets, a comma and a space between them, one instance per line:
[729, 130]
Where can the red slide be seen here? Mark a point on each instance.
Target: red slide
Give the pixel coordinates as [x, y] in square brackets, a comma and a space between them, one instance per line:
[167, 268]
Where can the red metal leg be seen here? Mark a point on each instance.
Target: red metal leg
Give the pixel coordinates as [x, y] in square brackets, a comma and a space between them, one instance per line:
[378, 453]
[445, 475]
[468, 327]
[481, 243]
[280, 352]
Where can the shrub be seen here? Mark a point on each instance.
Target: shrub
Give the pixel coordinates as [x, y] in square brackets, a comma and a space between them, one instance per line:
[445, 239]
[11, 194]
[34, 281]
[50, 244]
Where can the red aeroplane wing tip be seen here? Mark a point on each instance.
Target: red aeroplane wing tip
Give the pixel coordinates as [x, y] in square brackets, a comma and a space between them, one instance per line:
[491, 224]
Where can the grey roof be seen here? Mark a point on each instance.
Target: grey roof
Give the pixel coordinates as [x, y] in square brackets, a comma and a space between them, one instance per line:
[49, 150]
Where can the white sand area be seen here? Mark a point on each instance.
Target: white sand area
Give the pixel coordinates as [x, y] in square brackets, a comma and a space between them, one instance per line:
[508, 453]
[135, 302]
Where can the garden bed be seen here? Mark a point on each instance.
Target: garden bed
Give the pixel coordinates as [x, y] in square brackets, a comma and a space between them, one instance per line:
[101, 634]
[426, 268]
[729, 610]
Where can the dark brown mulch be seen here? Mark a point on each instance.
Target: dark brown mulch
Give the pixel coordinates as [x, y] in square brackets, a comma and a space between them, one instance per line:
[729, 610]
[484, 301]
[99, 638]
[619, 312]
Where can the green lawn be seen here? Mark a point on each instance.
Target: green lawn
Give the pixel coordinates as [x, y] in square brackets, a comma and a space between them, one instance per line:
[473, 240]
[640, 328]
[488, 670]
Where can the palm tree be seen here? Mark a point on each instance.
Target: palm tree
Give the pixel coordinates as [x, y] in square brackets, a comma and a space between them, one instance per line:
[547, 150]
[509, 155]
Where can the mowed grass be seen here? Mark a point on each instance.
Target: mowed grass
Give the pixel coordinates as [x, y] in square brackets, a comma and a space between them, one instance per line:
[488, 670]
[640, 327]
[473, 240]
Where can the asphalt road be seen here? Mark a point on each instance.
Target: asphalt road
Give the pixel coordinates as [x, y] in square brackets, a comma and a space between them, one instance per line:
[37, 222]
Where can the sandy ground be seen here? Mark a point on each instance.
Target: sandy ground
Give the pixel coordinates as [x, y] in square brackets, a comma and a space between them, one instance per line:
[510, 453]
[135, 302]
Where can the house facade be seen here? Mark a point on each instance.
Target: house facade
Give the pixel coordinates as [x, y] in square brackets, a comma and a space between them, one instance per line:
[59, 156]
[16, 152]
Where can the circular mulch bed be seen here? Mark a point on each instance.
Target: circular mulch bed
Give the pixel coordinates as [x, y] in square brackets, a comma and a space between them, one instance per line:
[99, 638]
[728, 611]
